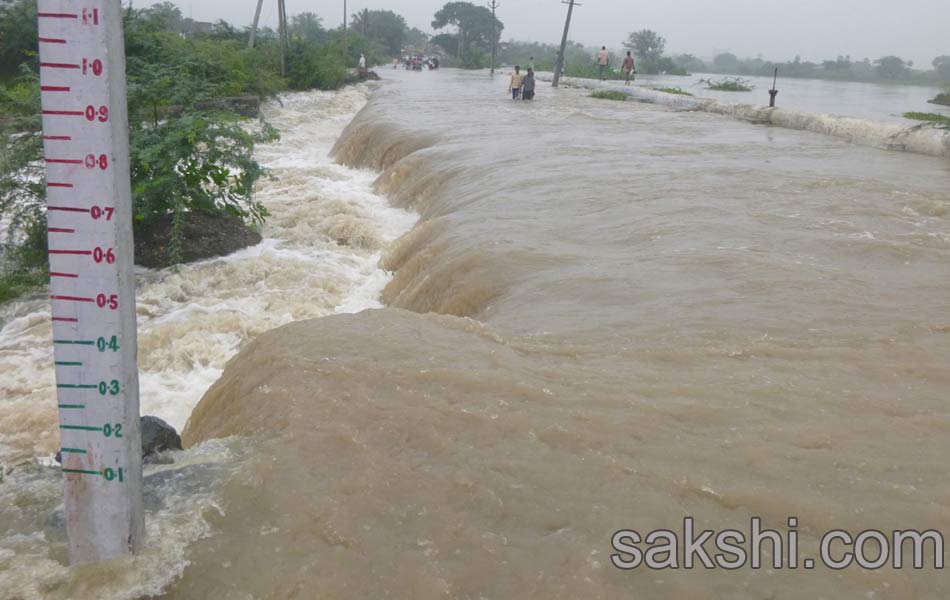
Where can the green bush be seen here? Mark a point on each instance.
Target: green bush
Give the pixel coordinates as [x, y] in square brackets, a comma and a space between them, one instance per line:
[928, 117]
[609, 95]
[729, 84]
[188, 152]
[197, 162]
[318, 67]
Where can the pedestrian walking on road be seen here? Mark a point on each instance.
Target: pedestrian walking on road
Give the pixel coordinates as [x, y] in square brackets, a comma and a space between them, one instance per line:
[629, 67]
[603, 59]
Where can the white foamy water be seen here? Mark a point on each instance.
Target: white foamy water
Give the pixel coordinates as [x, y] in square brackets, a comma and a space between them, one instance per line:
[319, 256]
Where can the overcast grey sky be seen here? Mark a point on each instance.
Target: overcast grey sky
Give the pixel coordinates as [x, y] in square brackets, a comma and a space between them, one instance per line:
[777, 29]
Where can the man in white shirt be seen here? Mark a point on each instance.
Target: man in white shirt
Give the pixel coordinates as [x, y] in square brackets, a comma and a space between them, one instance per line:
[362, 64]
[603, 59]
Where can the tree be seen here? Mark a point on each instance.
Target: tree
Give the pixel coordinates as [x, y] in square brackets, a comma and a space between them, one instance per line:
[690, 63]
[647, 45]
[727, 62]
[18, 36]
[447, 42]
[308, 27]
[891, 67]
[416, 38]
[359, 21]
[164, 17]
[474, 25]
[384, 27]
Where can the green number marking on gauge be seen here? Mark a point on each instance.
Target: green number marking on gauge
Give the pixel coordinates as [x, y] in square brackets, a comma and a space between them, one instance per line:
[112, 387]
[110, 430]
[109, 474]
[108, 344]
[114, 475]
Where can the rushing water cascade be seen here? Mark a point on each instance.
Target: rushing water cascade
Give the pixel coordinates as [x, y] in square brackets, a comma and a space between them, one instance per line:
[610, 315]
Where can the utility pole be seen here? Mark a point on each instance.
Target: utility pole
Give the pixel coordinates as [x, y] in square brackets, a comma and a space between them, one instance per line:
[257, 20]
[344, 33]
[493, 5]
[559, 66]
[282, 26]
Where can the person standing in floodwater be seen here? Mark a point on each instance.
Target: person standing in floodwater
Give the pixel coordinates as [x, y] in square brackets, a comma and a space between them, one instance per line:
[603, 60]
[517, 80]
[528, 85]
[629, 67]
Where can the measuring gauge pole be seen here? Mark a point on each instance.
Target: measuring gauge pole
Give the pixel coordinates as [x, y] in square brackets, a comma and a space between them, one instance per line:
[92, 286]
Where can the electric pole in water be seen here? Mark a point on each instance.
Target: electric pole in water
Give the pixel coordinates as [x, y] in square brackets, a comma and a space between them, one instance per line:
[493, 5]
[559, 66]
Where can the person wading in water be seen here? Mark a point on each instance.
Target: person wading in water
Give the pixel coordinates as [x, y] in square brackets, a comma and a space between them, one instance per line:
[517, 80]
[528, 85]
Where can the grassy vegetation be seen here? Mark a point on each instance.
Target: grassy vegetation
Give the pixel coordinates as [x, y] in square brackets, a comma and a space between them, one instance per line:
[592, 71]
[609, 95]
[676, 91]
[729, 84]
[928, 117]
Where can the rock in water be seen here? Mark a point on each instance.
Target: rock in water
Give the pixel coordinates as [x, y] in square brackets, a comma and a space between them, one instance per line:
[203, 236]
[158, 436]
